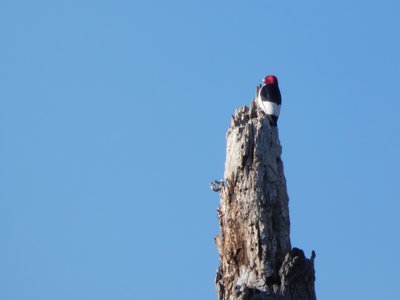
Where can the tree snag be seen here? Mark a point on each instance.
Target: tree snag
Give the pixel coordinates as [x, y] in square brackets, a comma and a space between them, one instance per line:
[257, 261]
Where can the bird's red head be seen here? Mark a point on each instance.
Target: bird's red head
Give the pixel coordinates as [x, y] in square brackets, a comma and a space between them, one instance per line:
[270, 79]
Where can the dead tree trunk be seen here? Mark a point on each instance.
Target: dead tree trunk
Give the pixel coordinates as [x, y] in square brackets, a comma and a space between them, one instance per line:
[257, 260]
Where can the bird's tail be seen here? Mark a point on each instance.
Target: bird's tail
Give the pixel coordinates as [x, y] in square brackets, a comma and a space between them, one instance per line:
[273, 120]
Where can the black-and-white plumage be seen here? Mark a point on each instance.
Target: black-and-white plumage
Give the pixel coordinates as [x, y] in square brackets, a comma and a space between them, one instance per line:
[269, 99]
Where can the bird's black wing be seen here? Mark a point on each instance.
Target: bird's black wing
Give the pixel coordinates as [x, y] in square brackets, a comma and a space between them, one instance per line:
[271, 93]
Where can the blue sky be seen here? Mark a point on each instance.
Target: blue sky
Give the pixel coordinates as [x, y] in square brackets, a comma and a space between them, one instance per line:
[112, 123]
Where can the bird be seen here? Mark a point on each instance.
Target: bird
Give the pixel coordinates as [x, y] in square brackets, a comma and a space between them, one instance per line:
[269, 98]
[214, 187]
[217, 185]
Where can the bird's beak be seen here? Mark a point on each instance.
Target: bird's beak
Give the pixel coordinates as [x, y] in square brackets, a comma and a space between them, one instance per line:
[262, 80]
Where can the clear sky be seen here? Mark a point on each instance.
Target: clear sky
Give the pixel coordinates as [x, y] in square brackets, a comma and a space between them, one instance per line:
[113, 117]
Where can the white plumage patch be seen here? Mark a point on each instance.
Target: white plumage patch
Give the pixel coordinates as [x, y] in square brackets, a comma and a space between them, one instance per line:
[270, 108]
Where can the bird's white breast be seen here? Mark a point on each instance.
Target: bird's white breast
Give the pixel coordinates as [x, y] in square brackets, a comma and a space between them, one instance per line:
[270, 108]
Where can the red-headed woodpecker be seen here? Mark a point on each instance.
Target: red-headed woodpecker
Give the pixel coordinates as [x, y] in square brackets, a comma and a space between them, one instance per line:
[269, 99]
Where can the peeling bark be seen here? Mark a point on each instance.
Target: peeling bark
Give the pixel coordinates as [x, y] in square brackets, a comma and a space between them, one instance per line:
[257, 261]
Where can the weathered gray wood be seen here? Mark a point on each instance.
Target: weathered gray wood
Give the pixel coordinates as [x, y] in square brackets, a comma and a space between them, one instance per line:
[257, 261]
